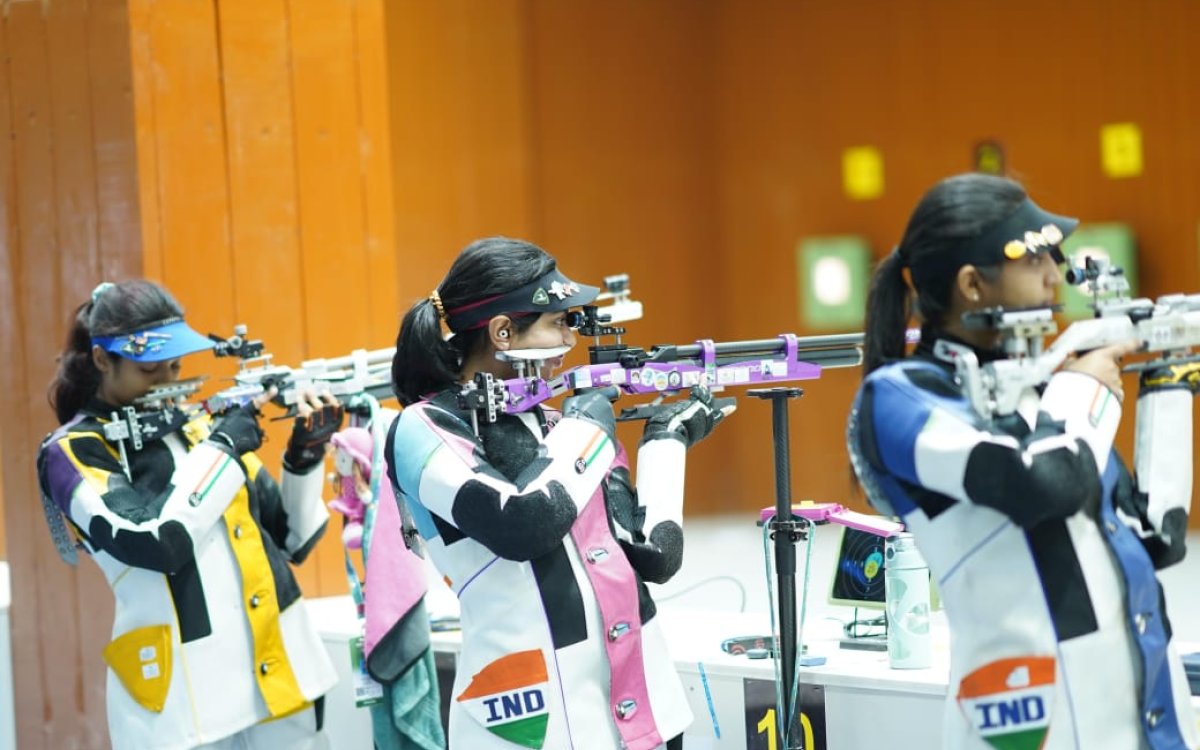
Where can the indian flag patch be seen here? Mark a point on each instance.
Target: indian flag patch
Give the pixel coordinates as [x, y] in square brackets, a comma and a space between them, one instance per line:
[508, 698]
[1100, 403]
[1009, 701]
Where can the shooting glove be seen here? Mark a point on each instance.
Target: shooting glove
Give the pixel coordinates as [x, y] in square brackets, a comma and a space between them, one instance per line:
[595, 406]
[1184, 376]
[306, 446]
[688, 421]
[238, 430]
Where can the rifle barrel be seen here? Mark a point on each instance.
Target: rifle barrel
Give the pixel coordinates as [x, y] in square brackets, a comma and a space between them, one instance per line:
[850, 356]
[373, 357]
[835, 350]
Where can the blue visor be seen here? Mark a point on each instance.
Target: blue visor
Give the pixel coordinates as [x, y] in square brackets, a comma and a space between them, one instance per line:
[166, 339]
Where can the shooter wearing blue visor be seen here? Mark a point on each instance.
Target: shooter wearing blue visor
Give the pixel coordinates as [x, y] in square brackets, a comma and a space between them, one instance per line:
[162, 340]
[176, 506]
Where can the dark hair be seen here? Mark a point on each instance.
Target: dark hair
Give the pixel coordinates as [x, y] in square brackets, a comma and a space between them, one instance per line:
[424, 360]
[113, 309]
[955, 209]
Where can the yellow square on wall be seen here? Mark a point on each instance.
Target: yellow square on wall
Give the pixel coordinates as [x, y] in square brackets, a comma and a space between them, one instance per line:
[862, 173]
[1121, 150]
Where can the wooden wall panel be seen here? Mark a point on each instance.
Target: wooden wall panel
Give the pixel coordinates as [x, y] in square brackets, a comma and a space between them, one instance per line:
[190, 193]
[67, 175]
[579, 126]
[329, 172]
[694, 144]
[267, 284]
[111, 102]
[8, 245]
[74, 164]
[624, 168]
[225, 169]
[797, 83]
[461, 133]
[310, 168]
[33, 125]
[142, 69]
[375, 154]
[265, 125]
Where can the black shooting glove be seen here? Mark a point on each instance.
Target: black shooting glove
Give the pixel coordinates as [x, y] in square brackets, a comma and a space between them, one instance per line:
[237, 430]
[306, 447]
[595, 406]
[688, 421]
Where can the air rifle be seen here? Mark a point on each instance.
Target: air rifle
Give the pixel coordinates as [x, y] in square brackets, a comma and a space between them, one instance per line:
[662, 371]
[346, 378]
[1169, 326]
[163, 408]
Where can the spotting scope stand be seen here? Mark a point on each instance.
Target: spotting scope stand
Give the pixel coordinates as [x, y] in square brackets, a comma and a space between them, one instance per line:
[786, 531]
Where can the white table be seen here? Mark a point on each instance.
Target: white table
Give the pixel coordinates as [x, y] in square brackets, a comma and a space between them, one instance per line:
[859, 701]
[904, 707]
[852, 684]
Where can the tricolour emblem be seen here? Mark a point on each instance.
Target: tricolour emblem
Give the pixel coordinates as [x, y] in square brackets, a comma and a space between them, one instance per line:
[508, 698]
[1009, 701]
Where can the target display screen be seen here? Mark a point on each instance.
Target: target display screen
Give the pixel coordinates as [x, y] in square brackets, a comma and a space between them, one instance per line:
[858, 570]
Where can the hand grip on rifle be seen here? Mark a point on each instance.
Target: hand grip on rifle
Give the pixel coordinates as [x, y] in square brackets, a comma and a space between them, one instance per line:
[1104, 364]
[689, 421]
[318, 419]
[728, 404]
[237, 430]
[594, 405]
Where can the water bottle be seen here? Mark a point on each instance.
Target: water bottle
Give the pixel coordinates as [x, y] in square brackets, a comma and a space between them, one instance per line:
[906, 583]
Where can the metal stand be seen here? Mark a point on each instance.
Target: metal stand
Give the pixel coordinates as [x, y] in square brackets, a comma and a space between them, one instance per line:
[786, 532]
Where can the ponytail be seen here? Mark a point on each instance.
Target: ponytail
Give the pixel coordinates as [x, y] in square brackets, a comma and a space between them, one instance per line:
[424, 361]
[951, 212]
[888, 310]
[78, 377]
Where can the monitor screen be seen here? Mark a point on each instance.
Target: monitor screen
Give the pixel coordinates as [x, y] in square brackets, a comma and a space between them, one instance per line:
[858, 570]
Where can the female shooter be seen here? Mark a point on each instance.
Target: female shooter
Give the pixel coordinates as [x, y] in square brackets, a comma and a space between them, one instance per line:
[534, 520]
[212, 646]
[1043, 545]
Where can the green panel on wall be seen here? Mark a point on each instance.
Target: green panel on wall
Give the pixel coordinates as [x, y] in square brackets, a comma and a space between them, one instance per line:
[1112, 241]
[833, 275]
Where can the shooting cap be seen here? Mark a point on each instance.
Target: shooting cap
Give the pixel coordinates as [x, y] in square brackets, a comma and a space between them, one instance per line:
[165, 339]
[551, 292]
[1028, 230]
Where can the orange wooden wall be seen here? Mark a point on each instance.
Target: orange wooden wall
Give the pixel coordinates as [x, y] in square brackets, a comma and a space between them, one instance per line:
[238, 152]
[583, 126]
[69, 217]
[693, 145]
[265, 183]
[924, 81]
[310, 167]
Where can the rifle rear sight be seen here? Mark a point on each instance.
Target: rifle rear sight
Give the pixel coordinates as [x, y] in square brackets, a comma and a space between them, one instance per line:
[1106, 283]
[594, 324]
[237, 345]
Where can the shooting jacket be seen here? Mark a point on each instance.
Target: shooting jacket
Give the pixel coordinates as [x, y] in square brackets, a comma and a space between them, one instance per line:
[210, 634]
[539, 532]
[1044, 548]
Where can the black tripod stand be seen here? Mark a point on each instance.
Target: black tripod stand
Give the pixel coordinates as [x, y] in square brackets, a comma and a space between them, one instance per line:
[786, 531]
